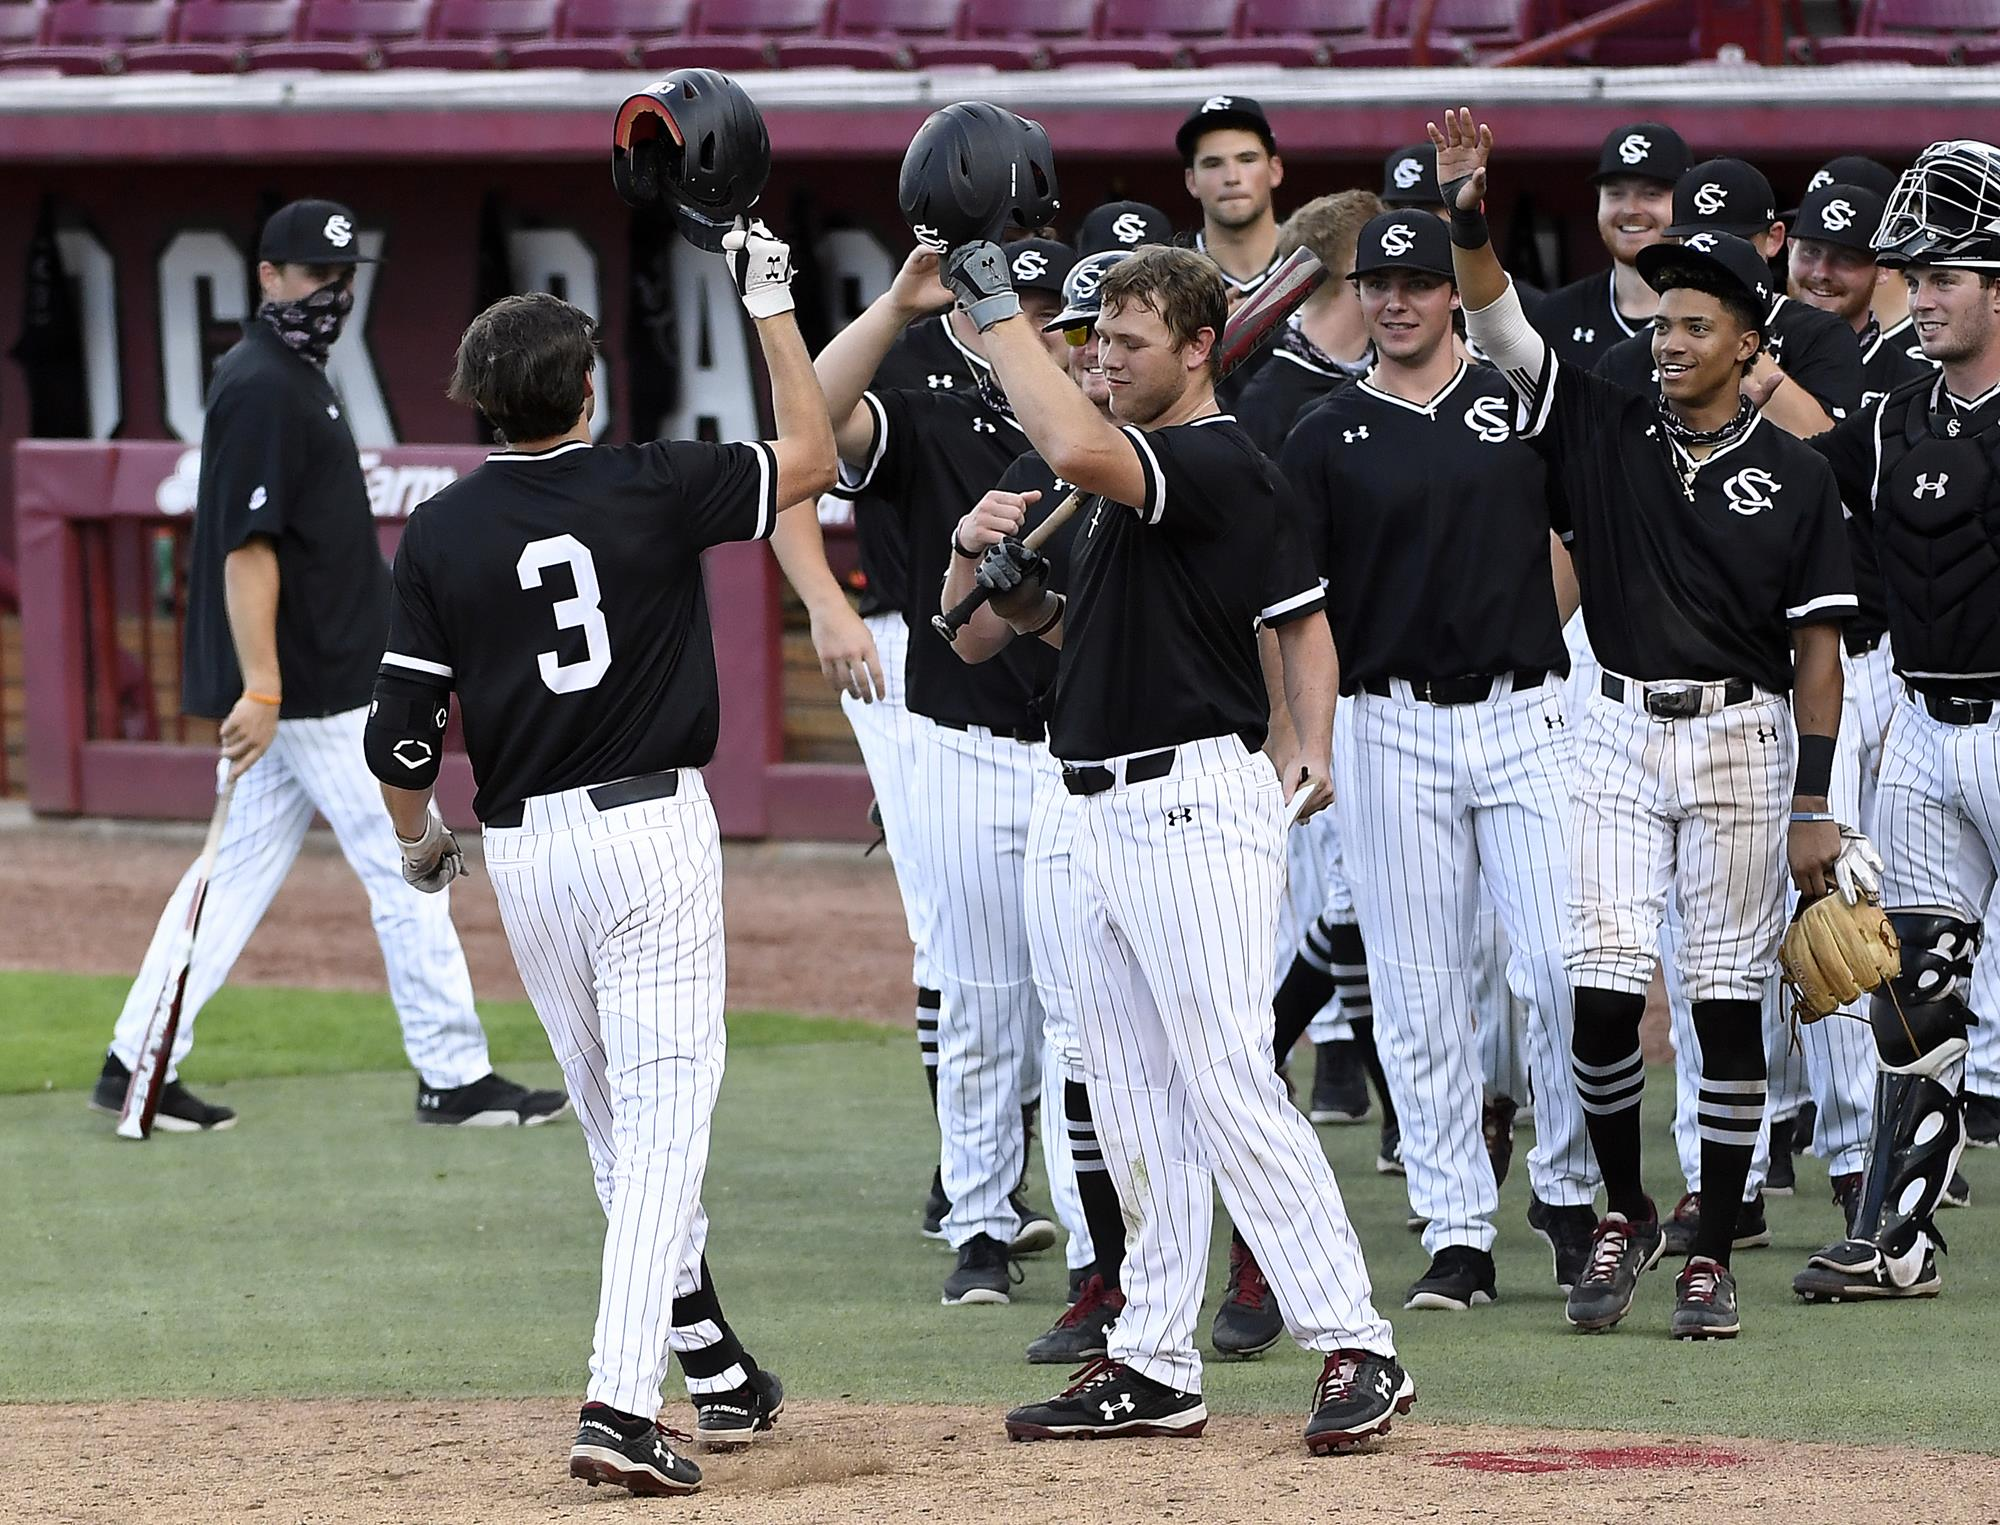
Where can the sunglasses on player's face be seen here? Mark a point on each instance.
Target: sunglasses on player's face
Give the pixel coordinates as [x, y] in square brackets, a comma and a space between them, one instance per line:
[1078, 336]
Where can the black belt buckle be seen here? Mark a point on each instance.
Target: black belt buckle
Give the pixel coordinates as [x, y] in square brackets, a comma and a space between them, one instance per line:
[1087, 780]
[1673, 701]
[663, 785]
[1095, 779]
[1472, 689]
[1952, 710]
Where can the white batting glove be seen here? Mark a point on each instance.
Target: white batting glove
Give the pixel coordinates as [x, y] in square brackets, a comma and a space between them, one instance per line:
[434, 859]
[761, 265]
[1858, 869]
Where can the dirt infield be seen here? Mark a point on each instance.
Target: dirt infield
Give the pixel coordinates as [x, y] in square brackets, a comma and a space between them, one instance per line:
[345, 1463]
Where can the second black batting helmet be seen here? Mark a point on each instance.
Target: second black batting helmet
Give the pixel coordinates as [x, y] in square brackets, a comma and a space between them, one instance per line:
[696, 144]
[972, 169]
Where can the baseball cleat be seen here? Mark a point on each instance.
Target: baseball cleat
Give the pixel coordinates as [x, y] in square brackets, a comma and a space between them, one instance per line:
[1248, 1323]
[1109, 1398]
[1567, 1231]
[1459, 1278]
[1621, 1252]
[1340, 1083]
[1705, 1302]
[1037, 1230]
[731, 1420]
[983, 1274]
[1357, 1396]
[1854, 1271]
[1847, 1197]
[490, 1102]
[1781, 1177]
[1496, 1125]
[936, 1205]
[1389, 1156]
[633, 1453]
[1753, 1229]
[1957, 1191]
[1982, 1121]
[180, 1110]
[1080, 1335]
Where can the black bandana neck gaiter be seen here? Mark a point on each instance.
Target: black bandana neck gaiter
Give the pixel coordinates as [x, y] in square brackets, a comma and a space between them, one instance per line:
[311, 324]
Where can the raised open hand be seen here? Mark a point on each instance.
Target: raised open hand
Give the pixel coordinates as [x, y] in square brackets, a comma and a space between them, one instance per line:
[1463, 151]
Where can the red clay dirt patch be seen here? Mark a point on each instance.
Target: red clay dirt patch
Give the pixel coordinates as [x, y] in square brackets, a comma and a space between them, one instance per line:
[502, 1463]
[1607, 1458]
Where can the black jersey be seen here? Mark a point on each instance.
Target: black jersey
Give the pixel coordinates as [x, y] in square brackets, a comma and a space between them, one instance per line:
[1581, 321]
[935, 454]
[1923, 470]
[1160, 636]
[926, 356]
[1230, 390]
[1438, 572]
[1281, 393]
[561, 595]
[278, 461]
[1890, 357]
[1689, 570]
[1816, 349]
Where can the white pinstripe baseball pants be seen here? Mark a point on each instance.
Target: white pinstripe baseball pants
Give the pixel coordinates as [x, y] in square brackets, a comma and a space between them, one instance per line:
[317, 765]
[615, 920]
[1177, 883]
[887, 735]
[1444, 800]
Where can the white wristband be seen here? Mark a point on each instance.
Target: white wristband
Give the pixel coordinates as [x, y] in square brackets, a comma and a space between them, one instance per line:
[768, 301]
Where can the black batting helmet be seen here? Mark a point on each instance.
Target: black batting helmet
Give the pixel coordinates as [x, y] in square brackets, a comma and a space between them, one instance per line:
[695, 143]
[973, 168]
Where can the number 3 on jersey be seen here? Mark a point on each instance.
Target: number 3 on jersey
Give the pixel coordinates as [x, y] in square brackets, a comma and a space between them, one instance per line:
[582, 612]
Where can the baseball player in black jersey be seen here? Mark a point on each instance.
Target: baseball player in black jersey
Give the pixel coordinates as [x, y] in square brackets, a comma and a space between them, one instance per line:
[1714, 574]
[557, 590]
[1188, 541]
[1831, 266]
[1637, 167]
[1809, 365]
[1453, 751]
[1231, 166]
[1922, 469]
[1120, 226]
[928, 454]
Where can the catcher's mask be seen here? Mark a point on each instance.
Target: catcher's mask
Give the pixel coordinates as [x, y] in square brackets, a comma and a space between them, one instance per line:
[1945, 210]
[972, 169]
[696, 144]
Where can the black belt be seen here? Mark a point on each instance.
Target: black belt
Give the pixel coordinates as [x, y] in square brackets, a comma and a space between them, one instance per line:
[1140, 770]
[1859, 645]
[663, 785]
[1029, 731]
[1467, 690]
[1951, 709]
[1675, 702]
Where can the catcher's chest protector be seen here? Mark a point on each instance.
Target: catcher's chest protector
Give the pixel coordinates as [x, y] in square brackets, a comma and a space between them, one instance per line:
[1938, 531]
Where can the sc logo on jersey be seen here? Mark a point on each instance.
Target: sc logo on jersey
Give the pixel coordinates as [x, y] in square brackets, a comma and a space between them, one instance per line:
[1487, 418]
[1408, 173]
[1710, 199]
[1398, 238]
[1750, 490]
[1635, 148]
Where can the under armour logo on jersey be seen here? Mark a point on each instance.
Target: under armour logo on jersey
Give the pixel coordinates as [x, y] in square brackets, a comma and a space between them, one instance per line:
[941, 381]
[1487, 418]
[1218, 103]
[1581, 335]
[1398, 238]
[258, 499]
[1128, 228]
[1061, 487]
[984, 426]
[339, 231]
[1180, 815]
[1702, 241]
[412, 754]
[1749, 491]
[1351, 435]
[1408, 173]
[1767, 733]
[332, 411]
[1030, 264]
[1837, 214]
[1635, 148]
[1710, 199]
[1931, 487]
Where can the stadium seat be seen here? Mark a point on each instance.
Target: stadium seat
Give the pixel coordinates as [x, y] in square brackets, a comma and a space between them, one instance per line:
[1296, 34]
[606, 34]
[216, 36]
[1913, 31]
[345, 34]
[872, 34]
[93, 36]
[1666, 36]
[1010, 34]
[21, 23]
[1150, 34]
[474, 34]
[1460, 31]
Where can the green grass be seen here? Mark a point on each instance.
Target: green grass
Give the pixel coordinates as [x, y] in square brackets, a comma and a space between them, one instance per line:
[329, 1246]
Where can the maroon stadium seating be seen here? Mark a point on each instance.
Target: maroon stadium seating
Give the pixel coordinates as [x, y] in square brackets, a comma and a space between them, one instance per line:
[1460, 31]
[474, 34]
[216, 36]
[1150, 34]
[1915, 32]
[873, 34]
[93, 36]
[606, 34]
[1666, 36]
[1298, 34]
[345, 34]
[21, 23]
[1010, 34]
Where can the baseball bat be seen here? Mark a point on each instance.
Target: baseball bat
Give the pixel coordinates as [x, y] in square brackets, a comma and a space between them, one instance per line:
[142, 1092]
[1249, 329]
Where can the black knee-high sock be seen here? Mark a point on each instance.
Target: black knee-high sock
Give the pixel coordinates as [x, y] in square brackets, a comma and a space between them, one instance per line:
[1729, 1106]
[1102, 1212]
[1030, 1111]
[700, 1308]
[1610, 1079]
[1307, 987]
[927, 1026]
[1364, 1038]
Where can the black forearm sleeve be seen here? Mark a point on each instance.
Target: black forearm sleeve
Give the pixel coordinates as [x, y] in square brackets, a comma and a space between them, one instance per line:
[404, 738]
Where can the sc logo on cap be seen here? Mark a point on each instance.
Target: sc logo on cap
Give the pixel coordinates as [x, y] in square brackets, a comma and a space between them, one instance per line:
[1408, 173]
[1819, 179]
[339, 231]
[1635, 148]
[1128, 228]
[1705, 242]
[1710, 199]
[1030, 264]
[1218, 103]
[1837, 215]
[1398, 239]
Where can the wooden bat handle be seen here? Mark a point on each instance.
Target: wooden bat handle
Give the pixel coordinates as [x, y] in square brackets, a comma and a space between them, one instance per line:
[954, 620]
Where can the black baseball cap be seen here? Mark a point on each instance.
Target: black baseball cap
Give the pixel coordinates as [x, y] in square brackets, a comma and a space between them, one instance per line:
[1039, 264]
[1850, 169]
[1652, 150]
[1122, 225]
[1847, 215]
[1405, 240]
[1082, 300]
[1736, 260]
[312, 233]
[1223, 111]
[1410, 177]
[1723, 196]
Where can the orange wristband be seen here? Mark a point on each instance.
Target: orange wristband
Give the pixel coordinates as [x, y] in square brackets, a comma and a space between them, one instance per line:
[271, 699]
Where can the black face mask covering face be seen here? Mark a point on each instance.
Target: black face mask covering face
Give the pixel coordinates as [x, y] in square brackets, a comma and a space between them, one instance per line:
[311, 324]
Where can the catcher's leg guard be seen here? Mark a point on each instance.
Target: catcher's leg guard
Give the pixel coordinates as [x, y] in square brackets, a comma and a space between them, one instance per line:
[1919, 1017]
[1928, 1130]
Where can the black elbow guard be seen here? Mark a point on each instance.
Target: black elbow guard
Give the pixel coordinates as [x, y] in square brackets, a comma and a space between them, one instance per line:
[404, 737]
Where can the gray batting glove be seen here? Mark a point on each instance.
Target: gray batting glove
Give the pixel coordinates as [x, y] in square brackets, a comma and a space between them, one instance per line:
[760, 263]
[978, 275]
[434, 859]
[1015, 579]
[1858, 869]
